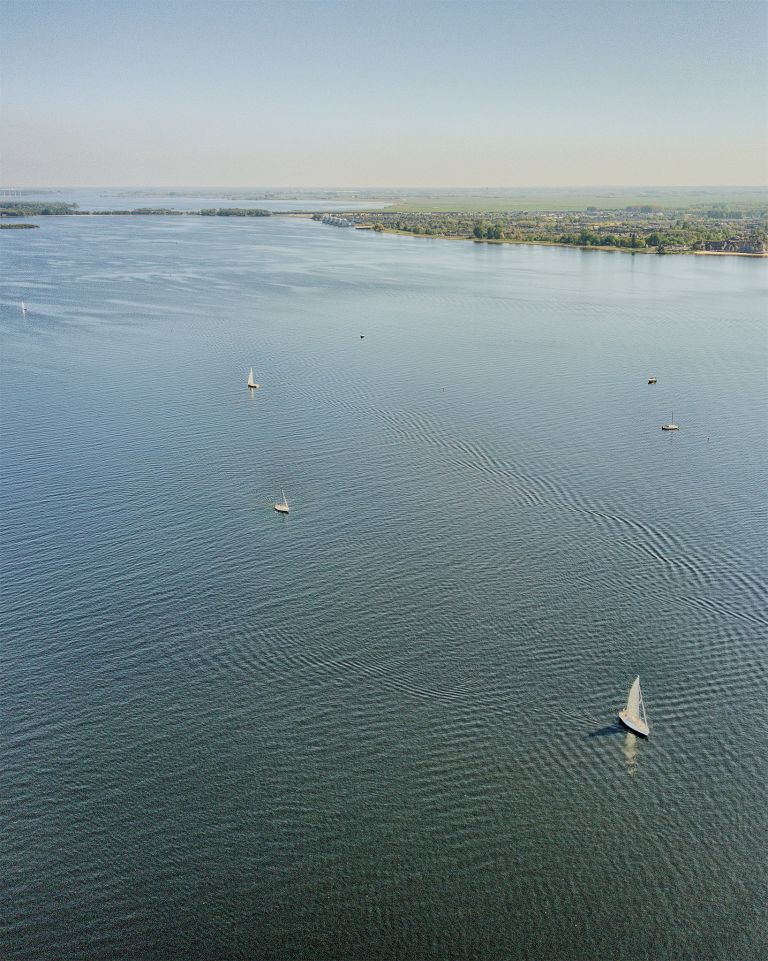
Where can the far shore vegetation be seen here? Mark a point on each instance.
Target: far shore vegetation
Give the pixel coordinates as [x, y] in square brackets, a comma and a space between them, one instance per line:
[636, 229]
[734, 222]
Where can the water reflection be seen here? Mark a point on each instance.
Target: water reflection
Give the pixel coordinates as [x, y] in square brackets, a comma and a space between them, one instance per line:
[629, 750]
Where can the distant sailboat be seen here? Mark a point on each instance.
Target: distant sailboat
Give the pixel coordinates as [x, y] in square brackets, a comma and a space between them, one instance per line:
[671, 425]
[282, 506]
[633, 715]
[251, 382]
[652, 379]
[23, 308]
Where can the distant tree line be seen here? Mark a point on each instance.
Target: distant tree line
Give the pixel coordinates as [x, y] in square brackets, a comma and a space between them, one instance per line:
[143, 212]
[13, 208]
[235, 212]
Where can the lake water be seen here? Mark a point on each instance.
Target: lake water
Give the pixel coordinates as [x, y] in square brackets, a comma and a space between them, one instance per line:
[384, 725]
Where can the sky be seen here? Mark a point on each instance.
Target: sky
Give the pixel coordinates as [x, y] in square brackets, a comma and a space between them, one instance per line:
[235, 93]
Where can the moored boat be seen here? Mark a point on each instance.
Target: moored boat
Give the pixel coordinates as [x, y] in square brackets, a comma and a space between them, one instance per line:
[671, 425]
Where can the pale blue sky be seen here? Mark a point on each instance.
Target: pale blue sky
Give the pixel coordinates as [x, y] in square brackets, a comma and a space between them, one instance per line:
[169, 93]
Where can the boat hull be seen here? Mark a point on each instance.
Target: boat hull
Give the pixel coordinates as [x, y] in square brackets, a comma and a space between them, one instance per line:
[669, 427]
[634, 724]
[281, 509]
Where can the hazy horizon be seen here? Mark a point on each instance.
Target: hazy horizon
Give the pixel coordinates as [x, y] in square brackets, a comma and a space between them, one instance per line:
[428, 95]
[344, 187]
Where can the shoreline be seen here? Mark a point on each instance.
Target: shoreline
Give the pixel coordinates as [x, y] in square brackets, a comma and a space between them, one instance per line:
[644, 251]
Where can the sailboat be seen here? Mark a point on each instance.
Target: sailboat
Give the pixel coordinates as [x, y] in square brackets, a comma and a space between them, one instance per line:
[633, 715]
[23, 308]
[251, 382]
[652, 379]
[282, 506]
[671, 425]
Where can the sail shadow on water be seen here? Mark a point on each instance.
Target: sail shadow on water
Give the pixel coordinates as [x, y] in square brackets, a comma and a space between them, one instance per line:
[606, 730]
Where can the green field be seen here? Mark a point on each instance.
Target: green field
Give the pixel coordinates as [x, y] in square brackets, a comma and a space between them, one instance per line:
[555, 198]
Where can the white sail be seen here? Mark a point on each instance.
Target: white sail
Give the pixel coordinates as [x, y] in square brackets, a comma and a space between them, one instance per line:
[643, 718]
[633, 701]
[633, 715]
[282, 506]
[251, 381]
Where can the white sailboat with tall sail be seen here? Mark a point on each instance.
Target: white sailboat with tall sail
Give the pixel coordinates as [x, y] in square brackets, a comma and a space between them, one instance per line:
[633, 715]
[251, 382]
[282, 506]
[24, 308]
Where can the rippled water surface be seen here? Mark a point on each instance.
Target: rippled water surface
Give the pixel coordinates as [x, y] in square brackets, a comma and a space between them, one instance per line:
[383, 726]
